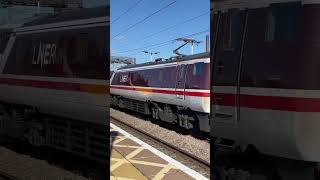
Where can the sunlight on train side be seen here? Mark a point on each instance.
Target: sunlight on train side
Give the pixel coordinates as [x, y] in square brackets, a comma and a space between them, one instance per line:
[265, 97]
[175, 91]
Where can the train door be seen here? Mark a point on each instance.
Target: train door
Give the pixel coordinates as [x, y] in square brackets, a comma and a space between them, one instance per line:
[181, 81]
[227, 58]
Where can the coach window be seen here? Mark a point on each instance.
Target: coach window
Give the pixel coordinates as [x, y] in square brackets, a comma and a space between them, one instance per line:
[283, 22]
[138, 78]
[214, 23]
[148, 77]
[231, 22]
[134, 77]
[144, 80]
[198, 76]
[198, 69]
[169, 77]
[272, 41]
[154, 77]
[161, 78]
[172, 77]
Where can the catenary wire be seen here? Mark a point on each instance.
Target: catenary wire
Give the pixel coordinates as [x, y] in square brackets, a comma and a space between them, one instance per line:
[170, 27]
[129, 9]
[144, 19]
[162, 43]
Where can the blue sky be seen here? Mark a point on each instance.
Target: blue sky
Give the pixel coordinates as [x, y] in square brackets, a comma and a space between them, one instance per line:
[180, 11]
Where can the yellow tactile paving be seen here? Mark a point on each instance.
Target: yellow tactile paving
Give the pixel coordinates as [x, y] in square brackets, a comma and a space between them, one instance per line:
[121, 168]
[129, 160]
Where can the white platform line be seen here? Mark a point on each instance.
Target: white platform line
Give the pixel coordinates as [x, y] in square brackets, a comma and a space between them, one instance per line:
[172, 161]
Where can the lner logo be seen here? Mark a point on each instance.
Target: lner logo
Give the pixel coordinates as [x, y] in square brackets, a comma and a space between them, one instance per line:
[46, 54]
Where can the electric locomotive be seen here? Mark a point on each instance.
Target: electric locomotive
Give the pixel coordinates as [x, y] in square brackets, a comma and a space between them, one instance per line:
[176, 91]
[54, 81]
[266, 93]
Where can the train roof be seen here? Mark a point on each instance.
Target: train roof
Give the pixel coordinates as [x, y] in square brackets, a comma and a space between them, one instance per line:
[78, 14]
[178, 59]
[223, 5]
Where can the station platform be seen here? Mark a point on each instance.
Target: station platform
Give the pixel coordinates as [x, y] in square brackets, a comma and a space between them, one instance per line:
[132, 158]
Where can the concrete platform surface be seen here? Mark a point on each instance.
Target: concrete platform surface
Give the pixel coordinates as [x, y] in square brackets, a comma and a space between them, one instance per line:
[132, 158]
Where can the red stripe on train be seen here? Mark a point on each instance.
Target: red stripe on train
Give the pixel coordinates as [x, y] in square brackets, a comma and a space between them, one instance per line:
[296, 104]
[161, 91]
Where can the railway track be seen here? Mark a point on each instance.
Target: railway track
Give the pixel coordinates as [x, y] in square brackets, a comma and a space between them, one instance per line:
[178, 129]
[181, 155]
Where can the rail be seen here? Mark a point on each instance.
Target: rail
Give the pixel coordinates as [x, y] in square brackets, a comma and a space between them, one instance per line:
[200, 161]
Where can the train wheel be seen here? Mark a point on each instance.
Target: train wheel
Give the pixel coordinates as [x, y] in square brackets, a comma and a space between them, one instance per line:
[154, 113]
[187, 120]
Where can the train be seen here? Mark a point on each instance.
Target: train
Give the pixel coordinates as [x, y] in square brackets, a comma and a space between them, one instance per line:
[265, 90]
[54, 81]
[175, 91]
